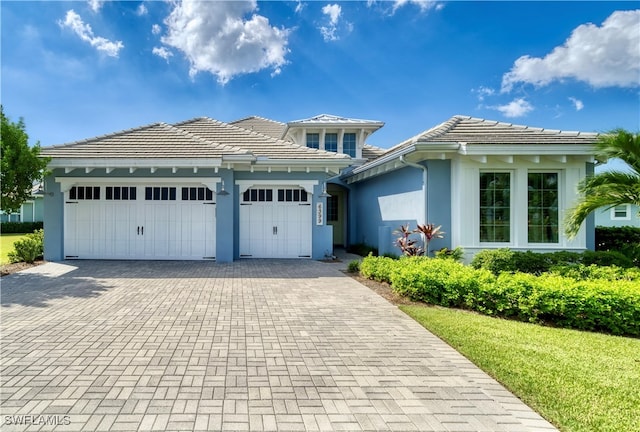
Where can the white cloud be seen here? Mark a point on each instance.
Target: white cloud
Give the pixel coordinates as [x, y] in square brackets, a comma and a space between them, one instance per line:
[142, 10]
[217, 37]
[162, 52]
[605, 56]
[74, 22]
[299, 6]
[424, 5]
[95, 5]
[516, 108]
[156, 29]
[333, 12]
[577, 103]
[483, 92]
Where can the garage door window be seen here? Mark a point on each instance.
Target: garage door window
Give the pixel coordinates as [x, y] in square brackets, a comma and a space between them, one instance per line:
[160, 193]
[84, 193]
[258, 195]
[123, 193]
[197, 194]
[292, 195]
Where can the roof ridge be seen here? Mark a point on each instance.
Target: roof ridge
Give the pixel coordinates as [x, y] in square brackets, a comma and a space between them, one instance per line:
[109, 135]
[257, 117]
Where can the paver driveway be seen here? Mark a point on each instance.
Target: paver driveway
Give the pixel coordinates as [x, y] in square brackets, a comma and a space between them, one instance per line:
[253, 345]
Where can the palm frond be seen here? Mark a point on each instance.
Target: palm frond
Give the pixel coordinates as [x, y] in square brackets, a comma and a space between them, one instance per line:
[620, 144]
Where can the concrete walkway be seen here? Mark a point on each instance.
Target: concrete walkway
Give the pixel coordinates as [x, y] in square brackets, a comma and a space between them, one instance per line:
[260, 345]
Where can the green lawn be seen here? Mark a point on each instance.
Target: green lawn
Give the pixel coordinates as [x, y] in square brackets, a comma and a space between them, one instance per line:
[6, 245]
[579, 381]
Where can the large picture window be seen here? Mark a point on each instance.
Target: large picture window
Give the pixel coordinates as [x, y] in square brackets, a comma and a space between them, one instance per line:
[495, 207]
[542, 207]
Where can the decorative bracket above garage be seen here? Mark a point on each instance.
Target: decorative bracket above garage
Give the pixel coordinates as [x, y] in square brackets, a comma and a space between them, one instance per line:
[307, 185]
[66, 183]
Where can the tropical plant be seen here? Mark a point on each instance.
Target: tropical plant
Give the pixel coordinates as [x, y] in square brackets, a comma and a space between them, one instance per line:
[410, 246]
[429, 231]
[608, 188]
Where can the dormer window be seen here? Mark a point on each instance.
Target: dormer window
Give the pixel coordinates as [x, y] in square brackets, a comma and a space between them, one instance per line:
[349, 144]
[331, 142]
[313, 140]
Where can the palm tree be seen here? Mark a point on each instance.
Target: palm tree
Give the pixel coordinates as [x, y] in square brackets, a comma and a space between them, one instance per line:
[608, 188]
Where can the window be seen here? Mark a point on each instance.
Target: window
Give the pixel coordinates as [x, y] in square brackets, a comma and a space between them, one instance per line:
[84, 193]
[160, 193]
[621, 212]
[197, 194]
[495, 207]
[542, 207]
[332, 208]
[258, 195]
[123, 193]
[349, 144]
[313, 140]
[292, 195]
[331, 142]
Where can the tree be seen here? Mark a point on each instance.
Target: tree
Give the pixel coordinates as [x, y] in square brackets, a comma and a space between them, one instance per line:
[608, 188]
[20, 164]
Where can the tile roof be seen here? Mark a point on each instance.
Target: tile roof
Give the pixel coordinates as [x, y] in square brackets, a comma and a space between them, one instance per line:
[256, 143]
[158, 140]
[261, 125]
[472, 130]
[370, 152]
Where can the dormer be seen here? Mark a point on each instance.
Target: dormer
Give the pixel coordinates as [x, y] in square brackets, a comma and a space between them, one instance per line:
[332, 133]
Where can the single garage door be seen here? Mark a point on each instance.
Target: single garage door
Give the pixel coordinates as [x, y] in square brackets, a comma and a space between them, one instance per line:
[275, 222]
[139, 222]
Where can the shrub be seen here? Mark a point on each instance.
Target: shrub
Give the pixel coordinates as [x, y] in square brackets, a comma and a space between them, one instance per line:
[590, 272]
[377, 268]
[606, 258]
[19, 227]
[354, 266]
[28, 249]
[454, 254]
[494, 260]
[616, 238]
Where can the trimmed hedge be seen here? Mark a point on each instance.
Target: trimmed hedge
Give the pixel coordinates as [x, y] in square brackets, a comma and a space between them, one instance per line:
[19, 227]
[610, 304]
[507, 260]
[616, 238]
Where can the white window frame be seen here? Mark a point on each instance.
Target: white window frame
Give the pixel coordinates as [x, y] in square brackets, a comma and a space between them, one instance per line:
[627, 208]
[561, 192]
[512, 214]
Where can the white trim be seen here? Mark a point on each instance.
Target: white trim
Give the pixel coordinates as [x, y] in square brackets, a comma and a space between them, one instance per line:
[72, 163]
[627, 210]
[66, 183]
[307, 185]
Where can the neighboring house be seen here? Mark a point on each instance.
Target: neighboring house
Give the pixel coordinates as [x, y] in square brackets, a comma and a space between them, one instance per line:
[618, 216]
[31, 210]
[257, 188]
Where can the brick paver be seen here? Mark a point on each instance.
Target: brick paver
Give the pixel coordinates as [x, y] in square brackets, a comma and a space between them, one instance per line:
[260, 345]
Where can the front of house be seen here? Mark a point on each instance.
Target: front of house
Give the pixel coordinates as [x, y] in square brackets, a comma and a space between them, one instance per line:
[257, 188]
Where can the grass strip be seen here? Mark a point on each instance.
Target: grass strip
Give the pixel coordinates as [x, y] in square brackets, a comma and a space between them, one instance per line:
[6, 245]
[579, 381]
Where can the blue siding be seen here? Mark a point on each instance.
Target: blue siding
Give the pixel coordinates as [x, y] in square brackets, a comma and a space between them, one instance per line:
[439, 200]
[53, 221]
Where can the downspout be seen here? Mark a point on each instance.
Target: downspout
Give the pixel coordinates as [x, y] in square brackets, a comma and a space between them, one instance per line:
[424, 185]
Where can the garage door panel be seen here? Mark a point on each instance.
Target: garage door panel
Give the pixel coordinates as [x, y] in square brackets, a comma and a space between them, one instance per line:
[156, 225]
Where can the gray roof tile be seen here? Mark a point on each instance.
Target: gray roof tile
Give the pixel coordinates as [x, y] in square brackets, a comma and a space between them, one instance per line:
[261, 125]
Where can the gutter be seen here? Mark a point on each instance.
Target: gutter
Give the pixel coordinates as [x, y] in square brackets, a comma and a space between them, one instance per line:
[424, 184]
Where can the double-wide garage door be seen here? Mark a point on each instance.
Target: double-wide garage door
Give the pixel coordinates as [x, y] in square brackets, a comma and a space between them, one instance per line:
[139, 222]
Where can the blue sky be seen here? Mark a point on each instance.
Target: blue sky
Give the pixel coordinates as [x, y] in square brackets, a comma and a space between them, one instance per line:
[75, 70]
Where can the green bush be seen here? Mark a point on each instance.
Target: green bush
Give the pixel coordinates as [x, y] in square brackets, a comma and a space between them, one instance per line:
[19, 227]
[616, 238]
[590, 272]
[28, 249]
[354, 266]
[494, 260]
[575, 296]
[377, 268]
[454, 254]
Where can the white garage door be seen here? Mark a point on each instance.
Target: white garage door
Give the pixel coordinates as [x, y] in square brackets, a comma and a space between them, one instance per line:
[275, 223]
[139, 222]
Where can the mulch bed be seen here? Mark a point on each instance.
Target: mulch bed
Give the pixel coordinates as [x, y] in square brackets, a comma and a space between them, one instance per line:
[7, 269]
[383, 289]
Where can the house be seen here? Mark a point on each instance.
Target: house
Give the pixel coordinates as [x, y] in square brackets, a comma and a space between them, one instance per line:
[31, 210]
[618, 216]
[257, 188]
